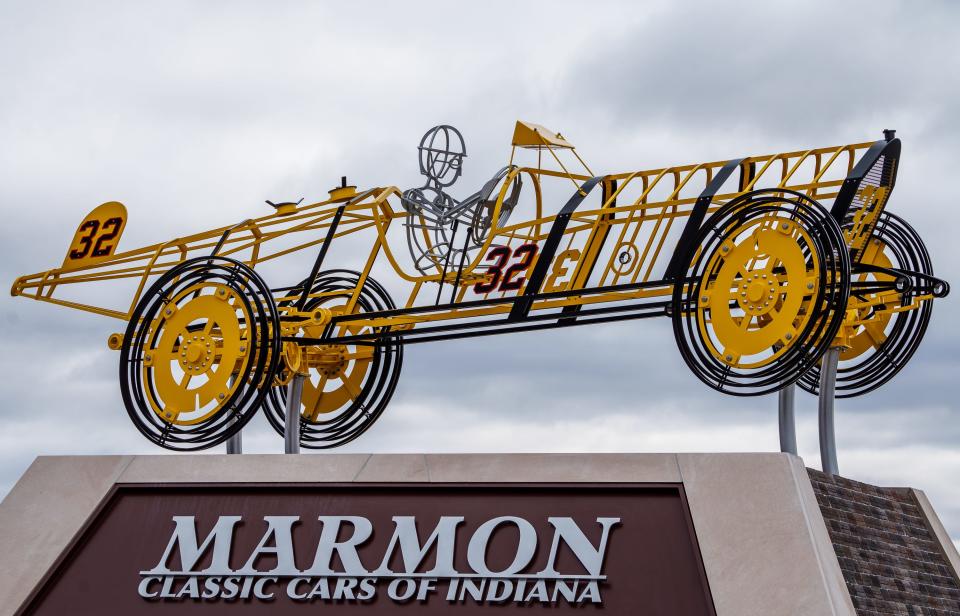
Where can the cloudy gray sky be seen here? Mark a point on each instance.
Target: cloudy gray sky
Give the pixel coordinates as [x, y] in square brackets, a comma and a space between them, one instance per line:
[193, 113]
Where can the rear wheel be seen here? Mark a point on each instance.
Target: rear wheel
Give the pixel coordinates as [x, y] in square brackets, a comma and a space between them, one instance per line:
[764, 294]
[349, 385]
[886, 340]
[198, 353]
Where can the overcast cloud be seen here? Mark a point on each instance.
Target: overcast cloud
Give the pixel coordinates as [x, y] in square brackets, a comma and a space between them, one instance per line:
[193, 113]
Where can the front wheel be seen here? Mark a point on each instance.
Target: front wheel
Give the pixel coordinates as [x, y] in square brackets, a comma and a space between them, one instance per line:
[199, 353]
[764, 293]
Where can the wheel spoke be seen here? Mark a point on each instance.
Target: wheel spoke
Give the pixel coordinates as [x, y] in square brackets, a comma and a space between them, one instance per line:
[351, 387]
[315, 410]
[876, 338]
[361, 353]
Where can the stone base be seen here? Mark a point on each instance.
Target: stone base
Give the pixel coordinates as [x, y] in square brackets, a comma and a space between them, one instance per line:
[759, 528]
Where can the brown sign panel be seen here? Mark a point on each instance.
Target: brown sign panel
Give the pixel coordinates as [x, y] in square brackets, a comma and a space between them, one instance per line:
[383, 549]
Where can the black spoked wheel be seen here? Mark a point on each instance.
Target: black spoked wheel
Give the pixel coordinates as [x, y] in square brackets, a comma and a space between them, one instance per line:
[198, 353]
[349, 385]
[885, 341]
[764, 293]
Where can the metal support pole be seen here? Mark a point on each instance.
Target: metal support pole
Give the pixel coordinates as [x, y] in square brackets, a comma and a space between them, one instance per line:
[828, 383]
[235, 442]
[291, 426]
[788, 425]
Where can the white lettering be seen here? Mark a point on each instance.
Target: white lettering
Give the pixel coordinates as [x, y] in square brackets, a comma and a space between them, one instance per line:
[321, 589]
[230, 588]
[185, 536]
[538, 592]
[394, 592]
[474, 588]
[452, 589]
[368, 588]
[191, 588]
[569, 591]
[590, 557]
[245, 589]
[167, 591]
[592, 592]
[346, 549]
[344, 588]
[292, 589]
[526, 546]
[211, 587]
[258, 588]
[407, 556]
[499, 591]
[406, 537]
[280, 532]
[144, 587]
[427, 585]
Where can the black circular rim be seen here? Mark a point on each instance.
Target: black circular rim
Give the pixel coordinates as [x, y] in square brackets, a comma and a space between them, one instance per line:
[828, 304]
[243, 403]
[878, 365]
[379, 383]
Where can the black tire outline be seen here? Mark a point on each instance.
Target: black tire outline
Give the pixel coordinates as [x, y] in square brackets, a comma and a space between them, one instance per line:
[867, 372]
[830, 301]
[246, 399]
[378, 386]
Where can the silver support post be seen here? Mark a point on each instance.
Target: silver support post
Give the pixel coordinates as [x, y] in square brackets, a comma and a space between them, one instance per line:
[788, 425]
[828, 383]
[291, 426]
[235, 442]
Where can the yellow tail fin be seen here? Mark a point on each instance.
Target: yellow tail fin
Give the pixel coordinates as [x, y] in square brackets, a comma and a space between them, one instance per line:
[97, 236]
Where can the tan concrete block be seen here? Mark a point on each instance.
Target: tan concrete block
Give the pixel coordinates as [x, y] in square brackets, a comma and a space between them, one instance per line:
[394, 468]
[560, 467]
[758, 535]
[763, 540]
[826, 555]
[943, 537]
[306, 468]
[42, 514]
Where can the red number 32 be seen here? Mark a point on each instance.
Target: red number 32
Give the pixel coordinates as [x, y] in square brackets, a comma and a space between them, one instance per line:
[93, 227]
[507, 280]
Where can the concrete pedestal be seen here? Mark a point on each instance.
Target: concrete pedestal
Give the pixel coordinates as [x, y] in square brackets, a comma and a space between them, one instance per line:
[763, 542]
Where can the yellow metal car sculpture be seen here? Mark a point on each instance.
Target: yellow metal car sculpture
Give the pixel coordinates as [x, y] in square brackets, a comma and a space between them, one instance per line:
[763, 263]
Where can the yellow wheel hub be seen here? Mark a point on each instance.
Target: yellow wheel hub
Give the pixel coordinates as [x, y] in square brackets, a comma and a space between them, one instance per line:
[193, 353]
[332, 360]
[753, 300]
[337, 370]
[872, 333]
[757, 293]
[201, 343]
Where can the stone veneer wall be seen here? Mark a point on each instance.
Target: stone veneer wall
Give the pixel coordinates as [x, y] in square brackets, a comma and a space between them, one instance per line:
[890, 558]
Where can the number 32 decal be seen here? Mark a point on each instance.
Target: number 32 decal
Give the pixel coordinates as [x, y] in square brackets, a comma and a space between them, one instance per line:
[107, 232]
[511, 279]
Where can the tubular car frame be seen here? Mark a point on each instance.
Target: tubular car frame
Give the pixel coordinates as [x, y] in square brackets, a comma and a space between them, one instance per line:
[760, 280]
